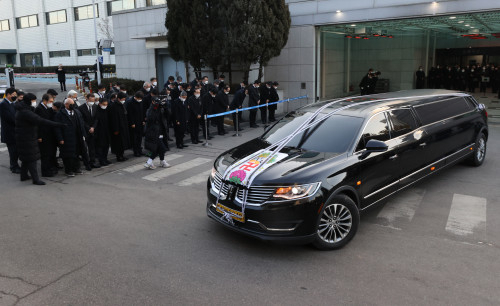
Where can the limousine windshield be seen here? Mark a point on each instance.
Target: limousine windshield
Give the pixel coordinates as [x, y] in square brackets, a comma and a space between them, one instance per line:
[334, 135]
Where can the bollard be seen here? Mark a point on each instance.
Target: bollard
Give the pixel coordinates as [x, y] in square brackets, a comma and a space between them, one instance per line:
[206, 132]
[237, 126]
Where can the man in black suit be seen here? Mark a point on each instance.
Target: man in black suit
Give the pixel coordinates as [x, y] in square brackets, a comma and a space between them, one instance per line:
[46, 137]
[8, 122]
[273, 97]
[265, 93]
[89, 112]
[179, 110]
[195, 111]
[237, 103]
[221, 105]
[71, 137]
[136, 122]
[253, 100]
[207, 102]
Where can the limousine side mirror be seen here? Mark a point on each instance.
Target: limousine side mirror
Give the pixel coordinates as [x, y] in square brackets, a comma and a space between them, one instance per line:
[374, 146]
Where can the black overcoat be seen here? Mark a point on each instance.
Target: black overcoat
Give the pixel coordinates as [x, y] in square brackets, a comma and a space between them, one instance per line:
[70, 133]
[156, 125]
[46, 133]
[253, 96]
[8, 122]
[273, 97]
[27, 132]
[118, 122]
[101, 128]
[221, 102]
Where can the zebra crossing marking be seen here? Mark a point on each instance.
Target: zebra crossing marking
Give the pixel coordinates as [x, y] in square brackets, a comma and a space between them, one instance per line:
[158, 175]
[140, 166]
[197, 179]
[403, 206]
[467, 213]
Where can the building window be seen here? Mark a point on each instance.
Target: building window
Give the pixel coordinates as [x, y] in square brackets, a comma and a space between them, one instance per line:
[4, 25]
[155, 2]
[64, 53]
[86, 12]
[27, 21]
[120, 5]
[31, 59]
[56, 17]
[87, 52]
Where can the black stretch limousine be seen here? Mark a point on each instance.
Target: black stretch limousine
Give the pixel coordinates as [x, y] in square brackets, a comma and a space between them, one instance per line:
[357, 157]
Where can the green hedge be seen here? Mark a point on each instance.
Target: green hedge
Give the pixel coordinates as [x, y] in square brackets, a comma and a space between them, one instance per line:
[132, 85]
[69, 69]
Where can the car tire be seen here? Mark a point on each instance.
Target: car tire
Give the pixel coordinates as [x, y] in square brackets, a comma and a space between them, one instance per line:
[479, 154]
[337, 223]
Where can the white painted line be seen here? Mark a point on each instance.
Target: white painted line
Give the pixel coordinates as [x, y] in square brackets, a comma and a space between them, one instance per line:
[467, 213]
[140, 166]
[402, 207]
[3, 149]
[197, 179]
[176, 169]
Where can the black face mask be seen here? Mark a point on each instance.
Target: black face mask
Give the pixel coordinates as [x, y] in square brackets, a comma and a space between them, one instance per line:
[71, 107]
[14, 98]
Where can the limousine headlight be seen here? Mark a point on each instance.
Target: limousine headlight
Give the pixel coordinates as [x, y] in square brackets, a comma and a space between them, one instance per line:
[212, 174]
[296, 191]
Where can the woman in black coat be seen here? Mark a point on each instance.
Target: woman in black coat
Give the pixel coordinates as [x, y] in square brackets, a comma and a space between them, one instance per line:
[26, 134]
[156, 131]
[61, 77]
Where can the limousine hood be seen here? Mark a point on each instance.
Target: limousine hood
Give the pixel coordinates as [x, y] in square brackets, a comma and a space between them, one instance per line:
[294, 166]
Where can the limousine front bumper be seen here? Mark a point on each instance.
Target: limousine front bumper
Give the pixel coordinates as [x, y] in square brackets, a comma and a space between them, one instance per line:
[286, 221]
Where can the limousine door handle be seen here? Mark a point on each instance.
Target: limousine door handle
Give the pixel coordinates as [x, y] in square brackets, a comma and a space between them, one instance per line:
[423, 144]
[393, 156]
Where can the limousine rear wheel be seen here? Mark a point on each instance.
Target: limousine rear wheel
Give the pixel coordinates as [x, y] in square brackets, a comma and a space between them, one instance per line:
[337, 223]
[479, 154]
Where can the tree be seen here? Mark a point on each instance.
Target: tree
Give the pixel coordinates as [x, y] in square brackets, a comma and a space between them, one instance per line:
[106, 28]
[277, 21]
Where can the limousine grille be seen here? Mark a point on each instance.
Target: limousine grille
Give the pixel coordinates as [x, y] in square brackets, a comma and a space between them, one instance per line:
[256, 194]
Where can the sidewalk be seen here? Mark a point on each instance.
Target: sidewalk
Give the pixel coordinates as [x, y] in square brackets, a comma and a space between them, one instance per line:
[492, 104]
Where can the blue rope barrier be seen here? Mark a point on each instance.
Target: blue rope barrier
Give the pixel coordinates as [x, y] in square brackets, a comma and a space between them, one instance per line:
[254, 107]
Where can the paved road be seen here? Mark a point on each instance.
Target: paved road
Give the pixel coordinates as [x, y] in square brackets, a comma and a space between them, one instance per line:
[123, 235]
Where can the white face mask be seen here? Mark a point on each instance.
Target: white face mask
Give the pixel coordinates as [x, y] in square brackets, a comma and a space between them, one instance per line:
[155, 83]
[227, 92]
[205, 82]
[91, 103]
[148, 89]
[122, 102]
[197, 95]
[102, 92]
[33, 103]
[139, 101]
[104, 107]
[49, 105]
[124, 91]
[182, 99]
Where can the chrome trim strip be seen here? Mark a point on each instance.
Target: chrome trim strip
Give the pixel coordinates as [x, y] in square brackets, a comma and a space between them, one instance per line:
[272, 229]
[411, 183]
[382, 189]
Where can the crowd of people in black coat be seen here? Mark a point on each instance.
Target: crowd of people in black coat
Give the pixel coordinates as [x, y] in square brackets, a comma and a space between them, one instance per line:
[110, 119]
[463, 78]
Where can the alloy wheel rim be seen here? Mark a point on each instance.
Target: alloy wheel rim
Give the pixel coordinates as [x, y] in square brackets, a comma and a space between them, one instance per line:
[335, 223]
[481, 150]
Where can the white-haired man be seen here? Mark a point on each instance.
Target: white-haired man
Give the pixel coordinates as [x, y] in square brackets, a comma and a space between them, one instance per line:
[72, 94]
[146, 88]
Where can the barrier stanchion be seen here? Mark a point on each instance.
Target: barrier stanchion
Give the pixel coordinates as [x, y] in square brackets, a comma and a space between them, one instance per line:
[237, 126]
[76, 81]
[266, 124]
[206, 132]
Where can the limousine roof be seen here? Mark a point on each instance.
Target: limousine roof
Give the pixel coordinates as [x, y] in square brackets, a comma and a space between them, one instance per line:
[384, 101]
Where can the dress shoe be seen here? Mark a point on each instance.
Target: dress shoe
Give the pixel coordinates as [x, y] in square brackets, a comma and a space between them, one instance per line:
[39, 183]
[95, 166]
[120, 158]
[108, 163]
[48, 174]
[88, 168]
[70, 174]
[180, 147]
[25, 178]
[16, 171]
[79, 172]
[254, 126]
[184, 146]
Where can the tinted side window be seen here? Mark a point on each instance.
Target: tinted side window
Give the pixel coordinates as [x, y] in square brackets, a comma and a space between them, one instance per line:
[375, 129]
[432, 112]
[402, 122]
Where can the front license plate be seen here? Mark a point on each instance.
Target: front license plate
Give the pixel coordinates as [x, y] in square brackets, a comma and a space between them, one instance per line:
[236, 215]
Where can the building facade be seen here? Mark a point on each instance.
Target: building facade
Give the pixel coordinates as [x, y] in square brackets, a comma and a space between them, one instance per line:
[52, 32]
[332, 43]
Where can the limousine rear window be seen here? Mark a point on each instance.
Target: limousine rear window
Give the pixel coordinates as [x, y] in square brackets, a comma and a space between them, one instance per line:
[376, 128]
[402, 122]
[334, 134]
[440, 110]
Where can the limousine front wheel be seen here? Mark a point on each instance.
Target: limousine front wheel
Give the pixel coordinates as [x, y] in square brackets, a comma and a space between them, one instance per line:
[337, 224]
[480, 151]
